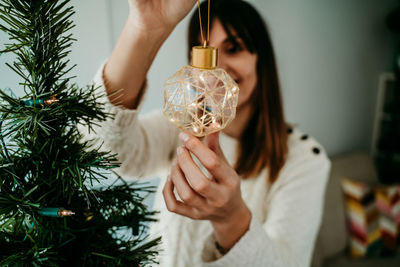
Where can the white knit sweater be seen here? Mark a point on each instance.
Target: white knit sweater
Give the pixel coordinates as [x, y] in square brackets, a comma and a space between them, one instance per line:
[285, 215]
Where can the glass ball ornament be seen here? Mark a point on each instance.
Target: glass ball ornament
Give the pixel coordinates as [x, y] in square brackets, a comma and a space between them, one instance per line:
[201, 98]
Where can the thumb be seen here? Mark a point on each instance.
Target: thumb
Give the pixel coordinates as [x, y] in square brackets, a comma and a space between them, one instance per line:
[212, 142]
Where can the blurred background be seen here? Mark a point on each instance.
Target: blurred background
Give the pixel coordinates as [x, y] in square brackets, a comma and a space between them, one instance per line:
[336, 61]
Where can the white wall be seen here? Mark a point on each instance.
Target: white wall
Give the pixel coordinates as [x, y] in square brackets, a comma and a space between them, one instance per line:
[94, 37]
[329, 54]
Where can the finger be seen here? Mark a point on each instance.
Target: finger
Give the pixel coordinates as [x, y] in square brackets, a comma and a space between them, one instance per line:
[195, 177]
[175, 206]
[212, 142]
[214, 163]
[185, 192]
[196, 146]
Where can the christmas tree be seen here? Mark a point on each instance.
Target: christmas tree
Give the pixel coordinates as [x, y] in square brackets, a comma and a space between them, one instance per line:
[50, 212]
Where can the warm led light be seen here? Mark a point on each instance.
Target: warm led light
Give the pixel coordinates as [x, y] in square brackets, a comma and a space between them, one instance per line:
[64, 213]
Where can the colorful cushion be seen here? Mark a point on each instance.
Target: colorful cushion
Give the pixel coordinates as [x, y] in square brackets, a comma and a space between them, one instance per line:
[388, 203]
[373, 218]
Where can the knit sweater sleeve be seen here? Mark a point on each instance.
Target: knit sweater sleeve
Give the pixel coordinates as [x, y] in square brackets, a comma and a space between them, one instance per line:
[287, 236]
[144, 144]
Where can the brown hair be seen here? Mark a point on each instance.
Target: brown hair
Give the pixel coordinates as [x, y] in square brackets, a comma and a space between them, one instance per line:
[263, 143]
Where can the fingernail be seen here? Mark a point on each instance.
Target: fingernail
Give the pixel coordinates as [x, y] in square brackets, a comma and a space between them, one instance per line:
[179, 150]
[184, 137]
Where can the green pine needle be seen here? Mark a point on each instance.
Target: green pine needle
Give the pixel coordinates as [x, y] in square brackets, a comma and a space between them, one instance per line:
[45, 164]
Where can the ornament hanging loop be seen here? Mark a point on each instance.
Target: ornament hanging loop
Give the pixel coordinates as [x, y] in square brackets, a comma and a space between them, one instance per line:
[204, 57]
[207, 40]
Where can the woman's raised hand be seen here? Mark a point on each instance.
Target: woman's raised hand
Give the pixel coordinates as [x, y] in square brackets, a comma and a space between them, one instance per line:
[153, 15]
[217, 199]
[147, 27]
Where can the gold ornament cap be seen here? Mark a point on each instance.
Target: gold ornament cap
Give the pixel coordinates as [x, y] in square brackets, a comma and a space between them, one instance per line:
[204, 57]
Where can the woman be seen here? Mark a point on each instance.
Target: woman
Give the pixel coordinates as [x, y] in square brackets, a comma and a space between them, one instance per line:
[263, 204]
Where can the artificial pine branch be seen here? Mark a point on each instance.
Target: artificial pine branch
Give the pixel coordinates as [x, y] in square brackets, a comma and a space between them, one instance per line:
[45, 166]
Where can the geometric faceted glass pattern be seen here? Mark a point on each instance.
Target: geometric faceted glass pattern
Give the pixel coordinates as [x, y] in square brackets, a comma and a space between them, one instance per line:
[200, 101]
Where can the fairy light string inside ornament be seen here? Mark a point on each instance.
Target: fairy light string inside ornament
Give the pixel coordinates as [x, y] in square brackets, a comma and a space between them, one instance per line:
[201, 98]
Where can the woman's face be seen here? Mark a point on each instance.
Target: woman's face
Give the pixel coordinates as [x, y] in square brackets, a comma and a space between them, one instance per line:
[234, 58]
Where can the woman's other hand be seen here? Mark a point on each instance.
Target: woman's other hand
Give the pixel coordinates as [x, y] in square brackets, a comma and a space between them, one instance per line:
[217, 198]
[149, 24]
[158, 15]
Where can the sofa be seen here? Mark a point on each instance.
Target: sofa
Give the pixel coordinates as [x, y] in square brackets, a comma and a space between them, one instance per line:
[331, 243]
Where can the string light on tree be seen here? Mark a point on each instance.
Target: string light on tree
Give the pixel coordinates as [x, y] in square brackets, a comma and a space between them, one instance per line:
[39, 102]
[201, 98]
[55, 212]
